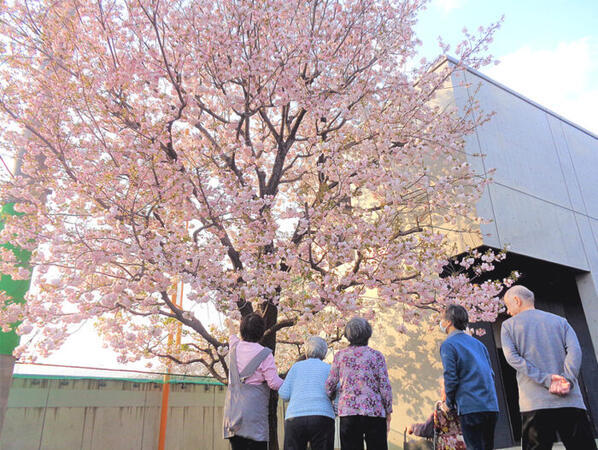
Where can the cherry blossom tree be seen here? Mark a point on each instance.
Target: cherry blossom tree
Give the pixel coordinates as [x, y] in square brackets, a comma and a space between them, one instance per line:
[285, 157]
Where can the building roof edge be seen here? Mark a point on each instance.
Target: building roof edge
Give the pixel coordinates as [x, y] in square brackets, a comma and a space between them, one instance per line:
[517, 94]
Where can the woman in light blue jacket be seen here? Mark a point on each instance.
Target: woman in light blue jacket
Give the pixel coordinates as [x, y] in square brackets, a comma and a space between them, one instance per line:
[310, 415]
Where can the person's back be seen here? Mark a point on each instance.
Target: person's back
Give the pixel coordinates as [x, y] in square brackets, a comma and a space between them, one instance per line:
[266, 371]
[252, 373]
[545, 352]
[364, 388]
[304, 386]
[543, 340]
[475, 390]
[360, 378]
[468, 380]
[309, 418]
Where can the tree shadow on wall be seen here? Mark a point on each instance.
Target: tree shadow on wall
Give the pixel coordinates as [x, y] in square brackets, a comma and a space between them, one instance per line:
[414, 367]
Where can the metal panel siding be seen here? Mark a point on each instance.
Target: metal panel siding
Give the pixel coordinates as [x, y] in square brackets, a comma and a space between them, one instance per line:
[536, 228]
[517, 142]
[112, 414]
[583, 150]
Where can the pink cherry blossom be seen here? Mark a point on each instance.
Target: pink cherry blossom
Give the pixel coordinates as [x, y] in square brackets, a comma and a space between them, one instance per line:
[286, 157]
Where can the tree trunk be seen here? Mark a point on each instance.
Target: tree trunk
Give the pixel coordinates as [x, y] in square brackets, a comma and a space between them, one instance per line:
[273, 420]
[270, 314]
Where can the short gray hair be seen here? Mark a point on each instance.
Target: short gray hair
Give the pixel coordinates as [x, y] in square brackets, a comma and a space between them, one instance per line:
[358, 331]
[315, 347]
[522, 292]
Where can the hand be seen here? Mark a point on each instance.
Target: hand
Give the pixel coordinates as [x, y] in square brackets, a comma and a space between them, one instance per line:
[410, 429]
[388, 424]
[559, 385]
[444, 407]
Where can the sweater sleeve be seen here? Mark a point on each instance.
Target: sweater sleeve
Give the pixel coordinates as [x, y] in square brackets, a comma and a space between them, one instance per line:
[485, 350]
[287, 387]
[426, 429]
[333, 378]
[385, 388]
[517, 361]
[572, 362]
[268, 367]
[451, 380]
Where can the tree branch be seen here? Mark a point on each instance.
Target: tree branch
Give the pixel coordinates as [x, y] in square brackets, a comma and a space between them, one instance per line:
[279, 326]
[191, 322]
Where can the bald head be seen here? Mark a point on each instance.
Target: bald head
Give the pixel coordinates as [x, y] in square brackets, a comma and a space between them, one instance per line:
[518, 299]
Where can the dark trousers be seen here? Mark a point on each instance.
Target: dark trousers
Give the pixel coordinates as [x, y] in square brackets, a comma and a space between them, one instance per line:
[317, 430]
[478, 429]
[538, 429]
[354, 429]
[241, 443]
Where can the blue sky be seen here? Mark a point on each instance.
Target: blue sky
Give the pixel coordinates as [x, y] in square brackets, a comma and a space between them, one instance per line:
[540, 24]
[548, 50]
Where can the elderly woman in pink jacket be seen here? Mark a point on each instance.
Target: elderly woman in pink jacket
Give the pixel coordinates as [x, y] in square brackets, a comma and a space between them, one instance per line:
[252, 373]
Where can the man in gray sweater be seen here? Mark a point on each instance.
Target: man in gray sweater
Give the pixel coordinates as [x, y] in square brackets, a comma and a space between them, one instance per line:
[544, 350]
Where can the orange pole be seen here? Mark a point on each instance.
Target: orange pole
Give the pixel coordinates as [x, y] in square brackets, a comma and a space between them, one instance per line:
[178, 301]
[164, 412]
[166, 388]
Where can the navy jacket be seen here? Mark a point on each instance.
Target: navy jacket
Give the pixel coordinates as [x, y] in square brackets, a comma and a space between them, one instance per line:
[468, 375]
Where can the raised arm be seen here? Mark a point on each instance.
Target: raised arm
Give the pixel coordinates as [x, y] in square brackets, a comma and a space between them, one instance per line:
[268, 366]
[520, 364]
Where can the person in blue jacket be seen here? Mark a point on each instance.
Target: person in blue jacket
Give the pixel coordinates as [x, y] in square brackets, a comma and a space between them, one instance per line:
[310, 416]
[468, 380]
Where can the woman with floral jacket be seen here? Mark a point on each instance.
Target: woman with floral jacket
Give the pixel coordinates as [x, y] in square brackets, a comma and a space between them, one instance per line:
[364, 394]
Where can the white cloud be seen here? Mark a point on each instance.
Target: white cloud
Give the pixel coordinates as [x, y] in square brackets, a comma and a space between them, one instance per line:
[563, 79]
[448, 5]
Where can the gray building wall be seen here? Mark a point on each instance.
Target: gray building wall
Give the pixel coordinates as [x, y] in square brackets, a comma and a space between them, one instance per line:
[543, 201]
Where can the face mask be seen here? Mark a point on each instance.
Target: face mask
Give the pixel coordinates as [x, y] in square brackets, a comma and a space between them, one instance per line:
[442, 327]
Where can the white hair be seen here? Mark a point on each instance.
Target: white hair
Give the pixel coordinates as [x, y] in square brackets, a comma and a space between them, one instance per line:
[522, 292]
[315, 347]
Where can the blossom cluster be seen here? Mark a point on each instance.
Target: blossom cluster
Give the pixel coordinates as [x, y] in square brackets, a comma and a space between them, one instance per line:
[287, 157]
